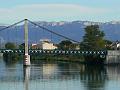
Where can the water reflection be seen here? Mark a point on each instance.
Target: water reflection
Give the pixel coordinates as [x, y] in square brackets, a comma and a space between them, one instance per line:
[10, 62]
[26, 77]
[58, 71]
[93, 77]
[113, 72]
[58, 76]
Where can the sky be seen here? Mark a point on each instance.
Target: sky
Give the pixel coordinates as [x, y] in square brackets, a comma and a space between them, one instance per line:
[59, 10]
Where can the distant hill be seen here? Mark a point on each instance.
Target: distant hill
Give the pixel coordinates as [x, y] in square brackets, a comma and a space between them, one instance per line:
[74, 30]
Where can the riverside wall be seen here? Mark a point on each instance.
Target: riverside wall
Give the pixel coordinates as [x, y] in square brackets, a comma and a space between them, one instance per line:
[113, 57]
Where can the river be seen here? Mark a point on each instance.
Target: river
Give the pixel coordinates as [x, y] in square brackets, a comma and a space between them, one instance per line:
[44, 75]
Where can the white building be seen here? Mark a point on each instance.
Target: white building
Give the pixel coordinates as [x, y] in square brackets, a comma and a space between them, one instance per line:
[46, 44]
[116, 45]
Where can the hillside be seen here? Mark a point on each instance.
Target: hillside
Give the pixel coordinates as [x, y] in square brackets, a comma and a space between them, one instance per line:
[74, 30]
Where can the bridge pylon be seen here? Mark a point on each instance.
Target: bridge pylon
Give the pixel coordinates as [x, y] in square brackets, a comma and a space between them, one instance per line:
[26, 56]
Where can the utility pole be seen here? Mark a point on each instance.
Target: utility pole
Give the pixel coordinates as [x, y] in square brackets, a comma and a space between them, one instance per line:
[27, 56]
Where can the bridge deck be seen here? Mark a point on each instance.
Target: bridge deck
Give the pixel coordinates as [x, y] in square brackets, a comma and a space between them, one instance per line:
[40, 51]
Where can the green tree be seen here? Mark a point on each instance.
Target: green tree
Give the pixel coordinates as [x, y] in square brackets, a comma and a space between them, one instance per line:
[108, 45]
[22, 46]
[66, 44]
[10, 45]
[108, 42]
[93, 38]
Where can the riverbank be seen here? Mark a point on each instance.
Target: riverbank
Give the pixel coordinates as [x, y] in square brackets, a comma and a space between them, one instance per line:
[63, 58]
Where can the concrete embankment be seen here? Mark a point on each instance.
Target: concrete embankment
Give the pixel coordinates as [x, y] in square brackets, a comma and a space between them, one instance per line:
[113, 57]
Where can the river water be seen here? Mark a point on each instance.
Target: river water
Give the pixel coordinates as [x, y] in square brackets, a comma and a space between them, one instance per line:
[44, 75]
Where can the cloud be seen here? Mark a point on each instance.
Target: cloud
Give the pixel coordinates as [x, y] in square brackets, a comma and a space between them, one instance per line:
[48, 11]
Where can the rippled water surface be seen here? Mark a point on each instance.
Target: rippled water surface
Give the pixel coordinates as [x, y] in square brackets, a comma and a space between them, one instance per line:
[57, 76]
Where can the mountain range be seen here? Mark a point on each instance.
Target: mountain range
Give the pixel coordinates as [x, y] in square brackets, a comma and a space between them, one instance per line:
[73, 30]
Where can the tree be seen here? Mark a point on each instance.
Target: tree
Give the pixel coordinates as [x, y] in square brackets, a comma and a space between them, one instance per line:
[10, 45]
[66, 44]
[93, 38]
[108, 44]
[22, 46]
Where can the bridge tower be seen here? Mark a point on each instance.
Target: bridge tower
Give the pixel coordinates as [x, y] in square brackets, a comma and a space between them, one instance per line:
[27, 56]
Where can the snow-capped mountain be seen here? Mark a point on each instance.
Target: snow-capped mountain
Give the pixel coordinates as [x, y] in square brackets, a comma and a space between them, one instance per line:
[73, 29]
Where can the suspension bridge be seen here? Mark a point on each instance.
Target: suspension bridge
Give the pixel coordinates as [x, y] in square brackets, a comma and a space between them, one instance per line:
[27, 51]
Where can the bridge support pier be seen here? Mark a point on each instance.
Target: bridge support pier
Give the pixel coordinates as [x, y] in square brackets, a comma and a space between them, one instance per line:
[27, 56]
[27, 60]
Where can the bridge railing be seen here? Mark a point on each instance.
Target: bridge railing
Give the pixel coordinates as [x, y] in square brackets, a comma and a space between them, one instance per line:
[57, 51]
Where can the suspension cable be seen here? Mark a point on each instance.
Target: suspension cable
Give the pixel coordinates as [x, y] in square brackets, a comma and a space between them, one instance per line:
[41, 28]
[11, 25]
[52, 32]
